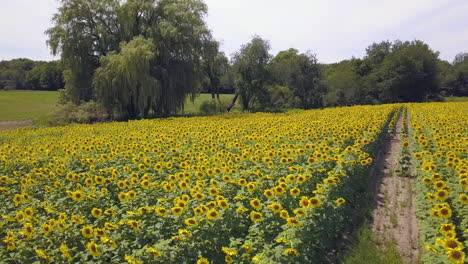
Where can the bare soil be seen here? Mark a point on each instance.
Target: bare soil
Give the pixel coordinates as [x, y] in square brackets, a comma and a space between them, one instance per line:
[10, 125]
[394, 219]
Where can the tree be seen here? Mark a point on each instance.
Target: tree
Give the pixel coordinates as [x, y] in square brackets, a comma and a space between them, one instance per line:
[301, 73]
[84, 31]
[45, 76]
[410, 73]
[215, 65]
[456, 77]
[344, 84]
[124, 80]
[251, 74]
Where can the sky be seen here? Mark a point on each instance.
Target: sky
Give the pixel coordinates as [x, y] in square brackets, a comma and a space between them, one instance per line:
[332, 29]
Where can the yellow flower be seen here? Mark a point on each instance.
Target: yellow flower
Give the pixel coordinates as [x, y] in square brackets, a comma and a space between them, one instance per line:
[131, 260]
[315, 202]
[65, 252]
[275, 207]
[293, 221]
[191, 222]
[177, 210]
[96, 212]
[340, 201]
[256, 216]
[154, 252]
[256, 204]
[291, 251]
[87, 231]
[93, 249]
[134, 225]
[212, 214]
[456, 256]
[161, 211]
[203, 261]
[40, 253]
[46, 229]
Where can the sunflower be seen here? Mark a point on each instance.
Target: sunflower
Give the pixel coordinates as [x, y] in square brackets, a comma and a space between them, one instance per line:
[122, 196]
[177, 210]
[93, 249]
[191, 221]
[256, 204]
[284, 214]
[154, 252]
[463, 198]
[87, 231]
[445, 212]
[223, 204]
[41, 253]
[270, 194]
[304, 202]
[134, 225]
[315, 202]
[300, 212]
[340, 201]
[203, 261]
[161, 211]
[291, 251]
[427, 180]
[275, 207]
[212, 214]
[251, 186]
[46, 229]
[456, 256]
[451, 244]
[111, 226]
[256, 216]
[293, 221]
[441, 195]
[65, 252]
[440, 185]
[96, 212]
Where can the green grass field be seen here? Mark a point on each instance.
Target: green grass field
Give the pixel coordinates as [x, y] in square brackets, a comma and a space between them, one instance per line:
[38, 106]
[34, 105]
[194, 107]
[456, 99]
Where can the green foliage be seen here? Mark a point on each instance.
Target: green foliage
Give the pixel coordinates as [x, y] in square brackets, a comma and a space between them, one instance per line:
[390, 72]
[455, 82]
[88, 112]
[213, 107]
[25, 74]
[366, 250]
[302, 74]
[251, 73]
[85, 30]
[124, 81]
[216, 69]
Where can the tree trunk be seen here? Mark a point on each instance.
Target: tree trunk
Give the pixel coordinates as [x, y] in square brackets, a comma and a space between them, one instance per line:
[233, 102]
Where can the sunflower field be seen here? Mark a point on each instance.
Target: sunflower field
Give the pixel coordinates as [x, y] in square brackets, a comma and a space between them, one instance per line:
[438, 139]
[245, 188]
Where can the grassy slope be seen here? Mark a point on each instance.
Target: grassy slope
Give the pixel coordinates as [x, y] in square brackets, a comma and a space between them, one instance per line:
[35, 105]
[456, 99]
[38, 105]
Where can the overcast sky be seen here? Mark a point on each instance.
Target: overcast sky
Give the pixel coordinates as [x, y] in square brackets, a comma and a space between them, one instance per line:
[333, 29]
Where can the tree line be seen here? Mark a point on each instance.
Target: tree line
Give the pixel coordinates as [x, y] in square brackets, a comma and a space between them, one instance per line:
[142, 58]
[25, 74]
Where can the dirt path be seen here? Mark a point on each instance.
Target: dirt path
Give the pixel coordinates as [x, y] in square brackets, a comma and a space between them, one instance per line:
[394, 219]
[9, 125]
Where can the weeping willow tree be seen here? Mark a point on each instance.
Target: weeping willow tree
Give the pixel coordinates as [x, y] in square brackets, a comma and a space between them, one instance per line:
[105, 48]
[124, 80]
